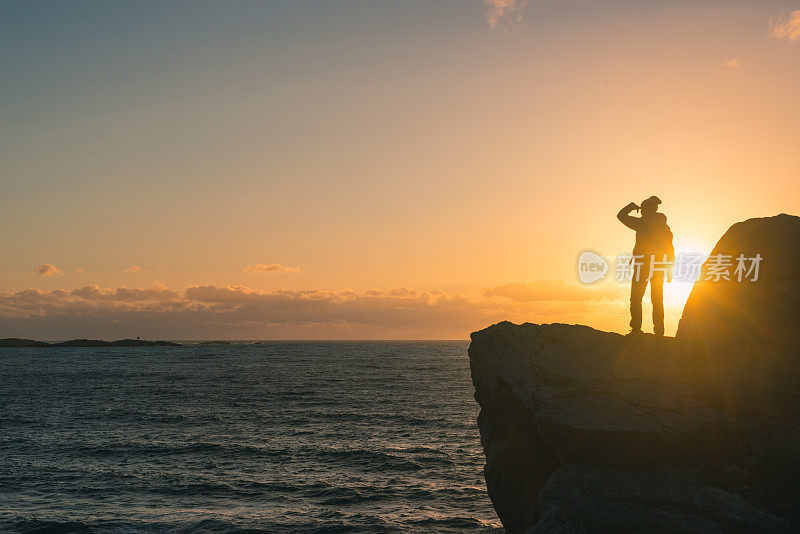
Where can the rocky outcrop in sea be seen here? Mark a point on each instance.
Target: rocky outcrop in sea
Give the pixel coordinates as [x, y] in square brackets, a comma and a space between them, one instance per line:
[590, 431]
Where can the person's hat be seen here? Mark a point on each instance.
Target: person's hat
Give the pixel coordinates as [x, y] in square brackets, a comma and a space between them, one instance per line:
[652, 200]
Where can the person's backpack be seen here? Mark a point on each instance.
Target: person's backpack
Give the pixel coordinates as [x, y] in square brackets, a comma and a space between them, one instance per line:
[663, 240]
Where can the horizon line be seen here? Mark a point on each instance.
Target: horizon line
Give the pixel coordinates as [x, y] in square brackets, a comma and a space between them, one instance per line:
[245, 340]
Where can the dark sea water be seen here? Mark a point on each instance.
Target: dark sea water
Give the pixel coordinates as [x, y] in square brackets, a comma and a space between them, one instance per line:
[278, 437]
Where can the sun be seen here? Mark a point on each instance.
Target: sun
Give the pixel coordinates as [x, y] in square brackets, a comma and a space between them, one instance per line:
[676, 293]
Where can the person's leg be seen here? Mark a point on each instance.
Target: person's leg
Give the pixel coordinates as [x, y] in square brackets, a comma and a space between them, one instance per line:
[637, 293]
[657, 299]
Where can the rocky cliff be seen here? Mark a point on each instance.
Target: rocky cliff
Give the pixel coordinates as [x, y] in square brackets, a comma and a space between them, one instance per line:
[589, 431]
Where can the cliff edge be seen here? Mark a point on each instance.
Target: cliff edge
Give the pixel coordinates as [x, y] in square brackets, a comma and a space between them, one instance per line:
[590, 431]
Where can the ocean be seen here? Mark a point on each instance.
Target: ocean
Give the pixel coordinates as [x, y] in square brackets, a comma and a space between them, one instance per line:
[273, 437]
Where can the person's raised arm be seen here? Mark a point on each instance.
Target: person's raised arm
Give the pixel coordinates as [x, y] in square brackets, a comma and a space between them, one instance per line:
[626, 218]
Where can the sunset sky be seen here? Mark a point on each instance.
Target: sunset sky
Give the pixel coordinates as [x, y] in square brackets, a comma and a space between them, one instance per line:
[373, 169]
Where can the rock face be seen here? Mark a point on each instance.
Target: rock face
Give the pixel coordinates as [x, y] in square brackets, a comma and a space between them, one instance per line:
[745, 336]
[589, 431]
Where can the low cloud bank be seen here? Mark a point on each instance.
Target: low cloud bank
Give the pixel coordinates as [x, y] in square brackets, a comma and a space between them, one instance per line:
[239, 312]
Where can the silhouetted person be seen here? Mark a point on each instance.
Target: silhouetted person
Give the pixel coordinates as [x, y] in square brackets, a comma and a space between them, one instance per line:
[653, 255]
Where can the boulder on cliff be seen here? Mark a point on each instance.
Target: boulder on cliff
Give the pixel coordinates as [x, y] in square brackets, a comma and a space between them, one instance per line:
[742, 336]
[589, 431]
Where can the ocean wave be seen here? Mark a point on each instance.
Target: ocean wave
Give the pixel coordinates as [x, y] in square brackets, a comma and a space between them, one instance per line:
[149, 449]
[307, 439]
[375, 460]
[406, 419]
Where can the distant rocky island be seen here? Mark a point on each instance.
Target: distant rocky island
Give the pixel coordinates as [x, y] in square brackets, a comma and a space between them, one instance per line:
[588, 431]
[17, 342]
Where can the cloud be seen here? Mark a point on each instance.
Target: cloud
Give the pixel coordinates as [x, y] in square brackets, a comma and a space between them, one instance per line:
[239, 312]
[48, 269]
[786, 26]
[503, 11]
[733, 64]
[133, 269]
[553, 290]
[270, 268]
[124, 294]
